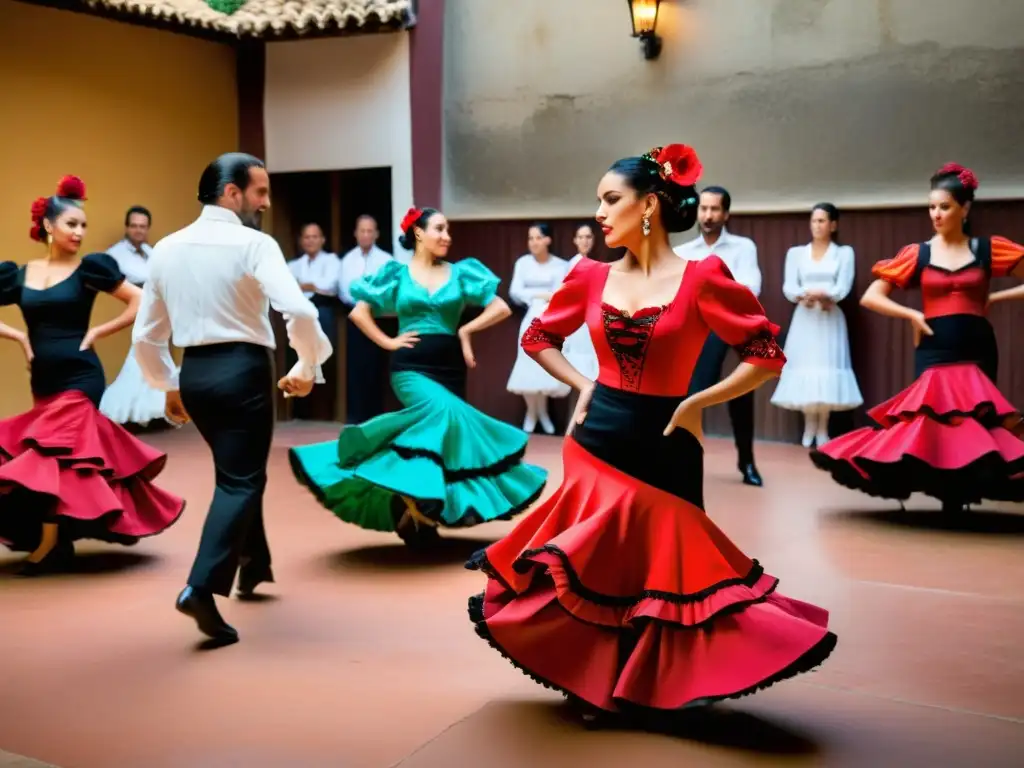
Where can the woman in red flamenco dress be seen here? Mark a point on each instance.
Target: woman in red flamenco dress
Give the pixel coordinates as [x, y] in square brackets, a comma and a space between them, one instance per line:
[66, 471]
[619, 591]
[951, 434]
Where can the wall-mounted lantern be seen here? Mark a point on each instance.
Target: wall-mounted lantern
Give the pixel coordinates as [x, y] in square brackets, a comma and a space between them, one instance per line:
[644, 15]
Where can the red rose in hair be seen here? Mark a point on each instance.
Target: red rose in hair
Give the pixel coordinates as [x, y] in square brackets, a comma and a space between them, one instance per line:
[38, 232]
[677, 163]
[71, 187]
[38, 209]
[411, 217]
[966, 175]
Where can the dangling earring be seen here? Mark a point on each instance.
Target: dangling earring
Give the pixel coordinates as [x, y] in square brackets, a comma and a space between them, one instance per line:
[646, 225]
[49, 239]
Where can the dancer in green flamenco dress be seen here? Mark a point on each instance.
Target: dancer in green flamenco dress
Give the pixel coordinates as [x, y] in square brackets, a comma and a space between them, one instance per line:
[438, 461]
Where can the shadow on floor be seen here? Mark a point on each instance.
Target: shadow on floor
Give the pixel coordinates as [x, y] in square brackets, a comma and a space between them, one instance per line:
[718, 726]
[448, 551]
[974, 520]
[94, 564]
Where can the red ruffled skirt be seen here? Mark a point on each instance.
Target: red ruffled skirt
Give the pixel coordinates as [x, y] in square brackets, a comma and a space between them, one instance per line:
[628, 597]
[63, 459]
[950, 435]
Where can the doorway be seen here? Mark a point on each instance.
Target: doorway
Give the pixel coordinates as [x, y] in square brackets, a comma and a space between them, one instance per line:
[334, 200]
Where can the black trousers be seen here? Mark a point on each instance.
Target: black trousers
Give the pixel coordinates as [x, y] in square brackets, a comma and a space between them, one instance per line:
[228, 391]
[364, 376]
[741, 410]
[305, 407]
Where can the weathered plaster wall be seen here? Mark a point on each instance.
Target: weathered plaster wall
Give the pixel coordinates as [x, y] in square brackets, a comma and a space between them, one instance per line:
[788, 101]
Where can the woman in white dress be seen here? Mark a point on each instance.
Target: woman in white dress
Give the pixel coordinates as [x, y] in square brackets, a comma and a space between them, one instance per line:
[818, 377]
[535, 278]
[579, 347]
[130, 399]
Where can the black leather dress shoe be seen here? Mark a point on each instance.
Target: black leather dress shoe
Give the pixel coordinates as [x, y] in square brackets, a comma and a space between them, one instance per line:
[201, 607]
[750, 475]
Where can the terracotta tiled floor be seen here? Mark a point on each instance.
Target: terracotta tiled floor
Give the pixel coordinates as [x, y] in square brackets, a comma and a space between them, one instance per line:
[364, 655]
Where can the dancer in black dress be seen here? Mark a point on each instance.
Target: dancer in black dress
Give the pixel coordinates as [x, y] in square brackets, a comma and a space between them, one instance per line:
[66, 471]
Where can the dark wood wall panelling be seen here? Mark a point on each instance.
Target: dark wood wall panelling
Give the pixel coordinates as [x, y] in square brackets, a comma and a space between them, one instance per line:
[882, 347]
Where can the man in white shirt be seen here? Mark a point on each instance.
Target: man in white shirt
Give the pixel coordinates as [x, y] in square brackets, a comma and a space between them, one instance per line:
[132, 252]
[317, 272]
[364, 360]
[210, 288]
[740, 256]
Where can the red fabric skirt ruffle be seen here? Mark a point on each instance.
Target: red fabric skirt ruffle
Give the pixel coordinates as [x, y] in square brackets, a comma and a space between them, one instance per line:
[950, 434]
[64, 458]
[628, 597]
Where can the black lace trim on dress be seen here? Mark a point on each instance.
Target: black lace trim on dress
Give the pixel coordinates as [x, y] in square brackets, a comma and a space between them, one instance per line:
[813, 658]
[432, 509]
[629, 337]
[536, 335]
[523, 564]
[989, 477]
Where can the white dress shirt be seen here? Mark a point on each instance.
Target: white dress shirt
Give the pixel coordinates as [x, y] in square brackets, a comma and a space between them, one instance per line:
[214, 282]
[738, 253]
[355, 265]
[134, 265]
[321, 271]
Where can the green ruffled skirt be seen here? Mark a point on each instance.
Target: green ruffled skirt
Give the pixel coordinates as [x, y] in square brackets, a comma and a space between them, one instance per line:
[459, 466]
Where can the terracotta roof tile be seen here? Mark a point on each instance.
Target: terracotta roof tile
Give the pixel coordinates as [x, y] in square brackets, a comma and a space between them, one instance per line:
[265, 18]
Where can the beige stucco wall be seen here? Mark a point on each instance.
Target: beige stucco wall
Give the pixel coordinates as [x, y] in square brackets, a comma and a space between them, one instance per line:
[788, 101]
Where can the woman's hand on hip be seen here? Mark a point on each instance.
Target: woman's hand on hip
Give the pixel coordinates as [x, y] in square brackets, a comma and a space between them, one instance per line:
[688, 416]
[467, 348]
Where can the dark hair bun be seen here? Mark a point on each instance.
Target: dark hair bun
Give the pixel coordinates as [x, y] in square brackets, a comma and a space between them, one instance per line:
[413, 222]
[71, 188]
[679, 202]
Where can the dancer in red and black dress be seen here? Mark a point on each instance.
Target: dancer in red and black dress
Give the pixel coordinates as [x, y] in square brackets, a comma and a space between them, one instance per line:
[950, 434]
[66, 471]
[620, 591]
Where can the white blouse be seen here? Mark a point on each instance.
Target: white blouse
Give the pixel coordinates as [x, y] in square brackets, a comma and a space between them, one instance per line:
[531, 279]
[833, 273]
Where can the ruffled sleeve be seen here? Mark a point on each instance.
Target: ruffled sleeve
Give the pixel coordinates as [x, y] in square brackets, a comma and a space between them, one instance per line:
[101, 273]
[10, 283]
[478, 284]
[565, 313]
[380, 290]
[1006, 256]
[901, 270]
[734, 314]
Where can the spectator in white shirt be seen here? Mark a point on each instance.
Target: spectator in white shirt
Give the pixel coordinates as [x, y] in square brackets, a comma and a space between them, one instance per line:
[132, 252]
[210, 287]
[130, 399]
[740, 256]
[364, 361]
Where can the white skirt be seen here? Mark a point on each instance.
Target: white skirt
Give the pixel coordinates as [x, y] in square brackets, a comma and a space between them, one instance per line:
[527, 377]
[130, 399]
[818, 373]
[579, 351]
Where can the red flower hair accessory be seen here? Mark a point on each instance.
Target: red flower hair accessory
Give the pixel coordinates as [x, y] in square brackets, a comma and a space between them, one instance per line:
[70, 187]
[38, 231]
[411, 217]
[966, 175]
[677, 163]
